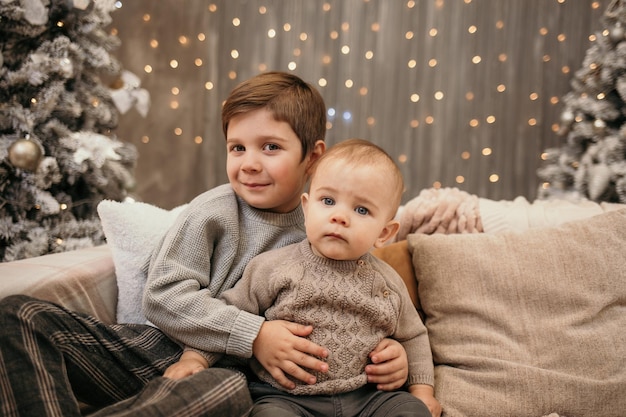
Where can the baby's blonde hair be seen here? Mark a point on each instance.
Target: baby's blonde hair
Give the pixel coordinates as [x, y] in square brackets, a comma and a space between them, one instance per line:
[362, 152]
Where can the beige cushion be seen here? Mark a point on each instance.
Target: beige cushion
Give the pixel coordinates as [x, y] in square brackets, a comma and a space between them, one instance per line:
[527, 324]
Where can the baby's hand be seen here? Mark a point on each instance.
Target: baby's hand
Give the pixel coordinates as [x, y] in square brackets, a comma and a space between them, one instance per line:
[188, 364]
[282, 349]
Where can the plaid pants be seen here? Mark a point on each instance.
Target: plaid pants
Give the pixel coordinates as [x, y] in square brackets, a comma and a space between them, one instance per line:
[52, 359]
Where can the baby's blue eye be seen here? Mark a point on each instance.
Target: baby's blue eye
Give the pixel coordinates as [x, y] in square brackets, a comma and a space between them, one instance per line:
[328, 201]
[362, 211]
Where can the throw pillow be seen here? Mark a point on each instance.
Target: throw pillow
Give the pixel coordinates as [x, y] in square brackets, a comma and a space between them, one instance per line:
[527, 324]
[132, 230]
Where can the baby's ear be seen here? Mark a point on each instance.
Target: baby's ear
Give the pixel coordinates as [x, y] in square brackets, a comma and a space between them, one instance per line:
[388, 232]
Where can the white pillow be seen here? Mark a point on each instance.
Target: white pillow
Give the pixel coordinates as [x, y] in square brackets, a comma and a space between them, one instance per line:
[132, 230]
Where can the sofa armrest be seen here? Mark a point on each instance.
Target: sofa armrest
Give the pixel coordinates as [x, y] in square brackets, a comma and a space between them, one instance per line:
[82, 280]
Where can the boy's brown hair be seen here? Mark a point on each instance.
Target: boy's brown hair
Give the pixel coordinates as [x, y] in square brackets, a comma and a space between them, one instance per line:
[288, 98]
[357, 152]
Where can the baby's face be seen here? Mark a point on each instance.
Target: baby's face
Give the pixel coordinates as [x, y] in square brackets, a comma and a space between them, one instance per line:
[347, 210]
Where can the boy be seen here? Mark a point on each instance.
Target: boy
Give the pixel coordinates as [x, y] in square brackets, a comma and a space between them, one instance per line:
[51, 358]
[330, 280]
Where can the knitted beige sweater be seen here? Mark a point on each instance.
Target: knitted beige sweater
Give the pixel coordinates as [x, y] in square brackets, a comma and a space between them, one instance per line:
[352, 305]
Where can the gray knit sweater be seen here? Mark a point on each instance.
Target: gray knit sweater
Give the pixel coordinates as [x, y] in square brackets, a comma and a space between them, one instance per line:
[203, 254]
[352, 306]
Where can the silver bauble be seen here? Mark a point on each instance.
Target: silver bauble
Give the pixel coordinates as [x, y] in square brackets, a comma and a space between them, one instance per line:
[25, 154]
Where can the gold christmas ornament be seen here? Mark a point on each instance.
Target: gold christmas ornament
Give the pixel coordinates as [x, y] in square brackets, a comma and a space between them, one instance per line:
[25, 154]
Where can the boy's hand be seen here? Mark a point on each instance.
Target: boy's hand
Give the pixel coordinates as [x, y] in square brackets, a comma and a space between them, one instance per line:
[282, 349]
[390, 366]
[426, 393]
[189, 363]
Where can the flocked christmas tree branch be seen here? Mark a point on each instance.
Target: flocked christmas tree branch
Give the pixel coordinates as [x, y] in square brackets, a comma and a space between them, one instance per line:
[61, 93]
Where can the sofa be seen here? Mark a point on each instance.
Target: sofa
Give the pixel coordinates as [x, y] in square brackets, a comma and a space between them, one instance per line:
[525, 303]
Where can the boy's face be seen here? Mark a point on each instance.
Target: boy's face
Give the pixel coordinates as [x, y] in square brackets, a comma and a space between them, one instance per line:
[264, 163]
[348, 210]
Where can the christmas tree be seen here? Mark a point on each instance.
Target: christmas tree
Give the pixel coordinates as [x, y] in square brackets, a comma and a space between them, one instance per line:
[592, 161]
[61, 93]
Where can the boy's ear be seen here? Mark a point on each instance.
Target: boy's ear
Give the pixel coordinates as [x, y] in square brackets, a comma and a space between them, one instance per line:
[318, 149]
[388, 232]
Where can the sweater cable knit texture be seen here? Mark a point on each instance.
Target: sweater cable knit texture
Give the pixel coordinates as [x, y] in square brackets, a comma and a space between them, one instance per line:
[352, 305]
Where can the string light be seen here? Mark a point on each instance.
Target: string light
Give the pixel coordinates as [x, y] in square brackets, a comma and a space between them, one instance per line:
[344, 42]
